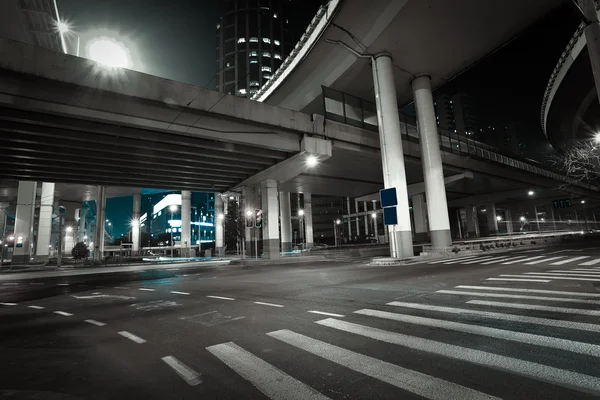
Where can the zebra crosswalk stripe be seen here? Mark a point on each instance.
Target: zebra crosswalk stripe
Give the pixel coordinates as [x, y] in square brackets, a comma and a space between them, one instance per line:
[520, 306]
[521, 337]
[480, 260]
[520, 296]
[591, 262]
[270, 380]
[502, 259]
[416, 382]
[568, 260]
[460, 261]
[582, 326]
[544, 260]
[528, 369]
[502, 289]
[567, 274]
[523, 260]
[454, 259]
[544, 276]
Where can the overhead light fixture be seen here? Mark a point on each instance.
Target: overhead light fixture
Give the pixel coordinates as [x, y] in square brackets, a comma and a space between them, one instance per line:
[301, 212]
[311, 161]
[531, 192]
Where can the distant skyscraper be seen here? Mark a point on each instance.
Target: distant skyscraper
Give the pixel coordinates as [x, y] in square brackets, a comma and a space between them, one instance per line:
[253, 39]
[444, 112]
[464, 114]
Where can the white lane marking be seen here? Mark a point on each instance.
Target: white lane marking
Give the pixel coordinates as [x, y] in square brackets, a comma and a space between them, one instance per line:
[132, 337]
[176, 292]
[522, 260]
[10, 284]
[545, 276]
[412, 381]
[173, 269]
[66, 314]
[531, 251]
[326, 313]
[102, 296]
[591, 262]
[501, 316]
[502, 259]
[267, 304]
[471, 259]
[482, 259]
[521, 296]
[578, 271]
[222, 298]
[94, 322]
[568, 260]
[37, 283]
[8, 304]
[36, 307]
[521, 337]
[146, 289]
[62, 284]
[545, 260]
[186, 373]
[454, 259]
[563, 274]
[271, 381]
[501, 289]
[520, 306]
[518, 280]
[119, 287]
[544, 373]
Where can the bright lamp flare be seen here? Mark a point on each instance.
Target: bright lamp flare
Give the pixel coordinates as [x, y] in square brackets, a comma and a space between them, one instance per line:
[311, 161]
[109, 52]
[597, 137]
[62, 27]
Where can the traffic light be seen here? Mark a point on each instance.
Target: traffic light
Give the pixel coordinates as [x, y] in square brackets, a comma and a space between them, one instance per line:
[258, 218]
[249, 219]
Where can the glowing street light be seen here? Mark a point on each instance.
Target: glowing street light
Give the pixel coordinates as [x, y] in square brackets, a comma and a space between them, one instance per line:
[64, 28]
[249, 213]
[231, 198]
[374, 215]
[337, 222]
[109, 52]
[531, 192]
[173, 208]
[311, 161]
[11, 238]
[300, 213]
[69, 229]
[582, 201]
[522, 218]
[220, 216]
[498, 218]
[597, 137]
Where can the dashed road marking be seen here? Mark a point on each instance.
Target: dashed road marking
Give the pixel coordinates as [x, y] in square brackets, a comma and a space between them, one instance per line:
[94, 322]
[36, 307]
[186, 373]
[8, 304]
[10, 284]
[220, 297]
[146, 289]
[62, 284]
[119, 287]
[267, 304]
[63, 313]
[176, 292]
[518, 280]
[326, 313]
[132, 337]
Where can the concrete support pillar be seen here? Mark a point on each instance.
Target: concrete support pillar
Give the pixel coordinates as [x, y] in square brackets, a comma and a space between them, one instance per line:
[24, 222]
[357, 218]
[100, 221]
[420, 217]
[135, 223]
[219, 225]
[70, 234]
[392, 155]
[492, 221]
[349, 219]
[366, 218]
[308, 221]
[270, 212]
[509, 222]
[285, 215]
[431, 159]
[375, 222]
[186, 222]
[250, 205]
[472, 221]
[42, 250]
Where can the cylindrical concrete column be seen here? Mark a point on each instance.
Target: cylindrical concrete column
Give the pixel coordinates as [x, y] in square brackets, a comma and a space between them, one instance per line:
[135, 223]
[392, 156]
[509, 222]
[42, 251]
[431, 159]
[375, 222]
[472, 221]
[100, 221]
[357, 218]
[492, 220]
[23, 242]
[420, 217]
[270, 212]
[219, 225]
[349, 219]
[248, 212]
[186, 222]
[366, 218]
[308, 221]
[285, 215]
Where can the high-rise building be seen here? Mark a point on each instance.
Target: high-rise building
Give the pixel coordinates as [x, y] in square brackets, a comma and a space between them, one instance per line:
[253, 39]
[444, 112]
[464, 114]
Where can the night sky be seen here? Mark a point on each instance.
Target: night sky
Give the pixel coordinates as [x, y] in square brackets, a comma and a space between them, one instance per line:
[176, 40]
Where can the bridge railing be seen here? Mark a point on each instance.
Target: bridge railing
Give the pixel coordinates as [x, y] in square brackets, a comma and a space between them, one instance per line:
[347, 109]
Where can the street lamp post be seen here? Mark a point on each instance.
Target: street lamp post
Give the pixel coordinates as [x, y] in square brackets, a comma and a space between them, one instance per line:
[583, 212]
[301, 225]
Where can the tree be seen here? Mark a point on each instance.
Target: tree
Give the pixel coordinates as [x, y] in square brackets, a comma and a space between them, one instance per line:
[580, 163]
[232, 232]
[80, 251]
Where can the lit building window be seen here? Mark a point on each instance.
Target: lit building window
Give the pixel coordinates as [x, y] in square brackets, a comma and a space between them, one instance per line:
[253, 40]
[266, 40]
[265, 68]
[253, 61]
[267, 76]
[277, 42]
[254, 84]
[266, 54]
[242, 91]
[253, 54]
[242, 40]
[277, 56]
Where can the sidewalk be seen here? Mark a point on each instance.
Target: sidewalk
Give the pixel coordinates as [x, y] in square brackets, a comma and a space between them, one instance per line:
[50, 273]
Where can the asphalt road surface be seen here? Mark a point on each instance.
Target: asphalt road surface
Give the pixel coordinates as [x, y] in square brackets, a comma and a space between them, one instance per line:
[522, 325]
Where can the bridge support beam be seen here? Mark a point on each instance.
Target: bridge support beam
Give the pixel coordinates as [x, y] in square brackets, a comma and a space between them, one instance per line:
[270, 212]
[492, 220]
[219, 225]
[366, 218]
[308, 221]
[472, 222]
[42, 250]
[24, 222]
[431, 158]
[100, 220]
[392, 155]
[420, 217]
[186, 222]
[285, 215]
[135, 223]
[250, 203]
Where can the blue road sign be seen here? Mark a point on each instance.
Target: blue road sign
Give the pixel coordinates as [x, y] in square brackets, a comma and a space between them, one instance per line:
[388, 197]
[390, 217]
